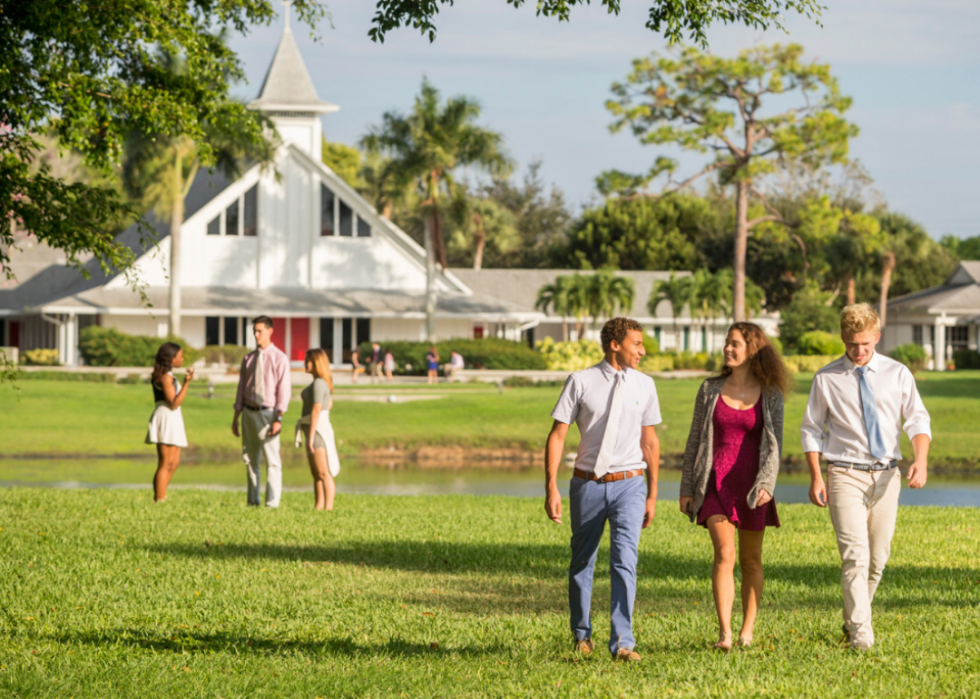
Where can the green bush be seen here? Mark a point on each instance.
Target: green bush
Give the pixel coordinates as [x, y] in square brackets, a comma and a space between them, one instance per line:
[488, 353]
[573, 355]
[528, 382]
[651, 344]
[76, 376]
[231, 355]
[698, 361]
[41, 357]
[809, 363]
[657, 362]
[964, 359]
[776, 342]
[911, 355]
[820, 342]
[806, 312]
[109, 347]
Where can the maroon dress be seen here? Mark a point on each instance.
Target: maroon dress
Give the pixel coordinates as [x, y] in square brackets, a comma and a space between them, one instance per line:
[738, 434]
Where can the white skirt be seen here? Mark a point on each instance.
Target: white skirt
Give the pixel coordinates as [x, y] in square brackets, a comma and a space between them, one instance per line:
[166, 427]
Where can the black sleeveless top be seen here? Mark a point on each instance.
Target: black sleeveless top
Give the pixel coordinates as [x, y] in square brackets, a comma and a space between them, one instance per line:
[158, 395]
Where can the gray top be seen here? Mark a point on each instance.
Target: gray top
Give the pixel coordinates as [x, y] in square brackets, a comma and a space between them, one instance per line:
[316, 392]
[699, 454]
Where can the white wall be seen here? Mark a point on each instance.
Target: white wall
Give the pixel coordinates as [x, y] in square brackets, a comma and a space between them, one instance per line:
[192, 327]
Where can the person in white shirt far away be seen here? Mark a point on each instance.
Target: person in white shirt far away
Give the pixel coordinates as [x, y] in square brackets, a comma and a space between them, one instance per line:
[854, 420]
[456, 363]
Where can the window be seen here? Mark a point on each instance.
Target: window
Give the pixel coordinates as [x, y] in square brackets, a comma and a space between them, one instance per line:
[231, 219]
[363, 330]
[251, 206]
[212, 328]
[346, 337]
[346, 220]
[656, 332]
[231, 330]
[214, 225]
[326, 336]
[363, 228]
[326, 211]
[958, 337]
[3, 332]
[917, 334]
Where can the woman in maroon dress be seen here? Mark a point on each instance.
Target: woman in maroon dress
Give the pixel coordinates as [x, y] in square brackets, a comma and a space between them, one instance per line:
[730, 467]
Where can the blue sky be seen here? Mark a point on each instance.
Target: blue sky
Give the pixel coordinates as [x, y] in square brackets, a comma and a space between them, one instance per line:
[912, 67]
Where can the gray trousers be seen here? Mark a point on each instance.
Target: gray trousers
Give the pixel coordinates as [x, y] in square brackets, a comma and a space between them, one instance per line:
[256, 445]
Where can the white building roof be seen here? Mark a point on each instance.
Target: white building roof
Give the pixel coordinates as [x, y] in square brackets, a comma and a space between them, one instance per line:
[287, 86]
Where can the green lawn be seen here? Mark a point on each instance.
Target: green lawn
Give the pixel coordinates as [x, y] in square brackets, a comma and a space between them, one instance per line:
[51, 417]
[105, 594]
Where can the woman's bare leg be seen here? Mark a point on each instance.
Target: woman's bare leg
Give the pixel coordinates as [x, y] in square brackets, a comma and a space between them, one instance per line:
[723, 575]
[750, 560]
[168, 459]
[318, 495]
[328, 488]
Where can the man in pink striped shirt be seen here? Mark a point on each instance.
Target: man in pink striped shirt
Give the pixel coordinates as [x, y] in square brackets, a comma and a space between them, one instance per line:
[263, 395]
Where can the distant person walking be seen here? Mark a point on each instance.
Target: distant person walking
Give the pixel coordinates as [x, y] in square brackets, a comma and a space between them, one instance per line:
[374, 366]
[389, 365]
[615, 407]
[853, 419]
[456, 364]
[166, 428]
[432, 364]
[263, 397]
[355, 364]
[730, 467]
[315, 426]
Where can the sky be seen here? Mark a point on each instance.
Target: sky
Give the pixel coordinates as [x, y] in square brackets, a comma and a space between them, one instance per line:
[911, 66]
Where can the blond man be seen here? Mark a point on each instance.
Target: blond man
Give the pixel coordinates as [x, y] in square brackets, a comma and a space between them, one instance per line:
[854, 419]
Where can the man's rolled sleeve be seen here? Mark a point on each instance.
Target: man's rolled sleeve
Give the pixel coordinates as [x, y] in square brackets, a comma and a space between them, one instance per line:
[917, 420]
[814, 421]
[566, 409]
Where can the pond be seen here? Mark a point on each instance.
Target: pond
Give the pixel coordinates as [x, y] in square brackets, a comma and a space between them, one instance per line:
[399, 479]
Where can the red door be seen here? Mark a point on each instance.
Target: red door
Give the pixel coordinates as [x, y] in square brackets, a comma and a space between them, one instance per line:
[301, 338]
[279, 333]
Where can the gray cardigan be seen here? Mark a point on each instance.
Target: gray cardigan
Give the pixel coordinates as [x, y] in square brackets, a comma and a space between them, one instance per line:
[699, 454]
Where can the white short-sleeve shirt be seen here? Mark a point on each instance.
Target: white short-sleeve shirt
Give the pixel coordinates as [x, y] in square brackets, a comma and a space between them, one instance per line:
[585, 401]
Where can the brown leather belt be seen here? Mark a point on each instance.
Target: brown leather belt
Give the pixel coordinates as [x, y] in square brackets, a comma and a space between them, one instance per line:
[609, 477]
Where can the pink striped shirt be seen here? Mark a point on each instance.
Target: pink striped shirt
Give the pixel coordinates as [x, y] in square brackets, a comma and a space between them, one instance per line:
[275, 375]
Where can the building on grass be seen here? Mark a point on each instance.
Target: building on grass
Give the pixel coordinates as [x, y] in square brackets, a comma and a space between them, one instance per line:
[302, 247]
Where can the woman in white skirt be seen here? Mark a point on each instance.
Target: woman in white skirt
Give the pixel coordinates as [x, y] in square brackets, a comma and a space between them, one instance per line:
[321, 448]
[166, 428]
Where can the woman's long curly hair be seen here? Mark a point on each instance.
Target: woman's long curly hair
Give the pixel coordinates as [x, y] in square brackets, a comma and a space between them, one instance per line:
[164, 361]
[764, 361]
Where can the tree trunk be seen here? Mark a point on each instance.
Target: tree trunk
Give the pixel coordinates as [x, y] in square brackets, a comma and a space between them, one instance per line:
[887, 265]
[677, 337]
[176, 222]
[741, 244]
[564, 329]
[430, 277]
[386, 210]
[481, 242]
[851, 296]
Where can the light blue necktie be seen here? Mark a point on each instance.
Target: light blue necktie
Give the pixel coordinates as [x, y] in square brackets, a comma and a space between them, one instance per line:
[875, 442]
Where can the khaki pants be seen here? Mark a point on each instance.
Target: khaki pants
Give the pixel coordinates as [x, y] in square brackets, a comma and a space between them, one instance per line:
[256, 445]
[863, 507]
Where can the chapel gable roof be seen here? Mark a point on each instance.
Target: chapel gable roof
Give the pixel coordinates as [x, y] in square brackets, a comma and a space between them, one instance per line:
[966, 272]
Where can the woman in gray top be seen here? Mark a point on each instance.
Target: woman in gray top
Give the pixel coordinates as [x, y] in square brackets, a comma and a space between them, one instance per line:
[321, 447]
[730, 468]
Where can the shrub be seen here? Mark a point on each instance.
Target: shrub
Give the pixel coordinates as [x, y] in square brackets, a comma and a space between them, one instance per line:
[819, 342]
[657, 362]
[911, 355]
[809, 363]
[488, 353]
[570, 356]
[963, 358]
[776, 342]
[231, 355]
[807, 311]
[109, 347]
[698, 360]
[76, 376]
[650, 344]
[41, 357]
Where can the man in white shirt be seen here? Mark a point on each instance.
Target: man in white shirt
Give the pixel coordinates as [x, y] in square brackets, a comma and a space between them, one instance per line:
[455, 364]
[615, 407]
[854, 419]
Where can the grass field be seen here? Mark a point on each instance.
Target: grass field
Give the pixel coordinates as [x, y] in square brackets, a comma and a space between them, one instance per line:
[106, 594]
[49, 417]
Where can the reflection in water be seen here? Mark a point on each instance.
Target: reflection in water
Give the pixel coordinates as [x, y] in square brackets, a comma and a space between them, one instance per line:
[397, 479]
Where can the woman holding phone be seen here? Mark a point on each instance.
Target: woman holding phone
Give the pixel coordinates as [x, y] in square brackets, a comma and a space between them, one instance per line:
[730, 468]
[166, 428]
[321, 447]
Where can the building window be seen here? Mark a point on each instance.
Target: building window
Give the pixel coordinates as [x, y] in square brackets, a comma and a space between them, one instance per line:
[231, 219]
[656, 332]
[212, 330]
[214, 225]
[346, 220]
[251, 207]
[363, 228]
[326, 336]
[346, 337]
[958, 336]
[232, 325]
[363, 330]
[326, 211]
[917, 334]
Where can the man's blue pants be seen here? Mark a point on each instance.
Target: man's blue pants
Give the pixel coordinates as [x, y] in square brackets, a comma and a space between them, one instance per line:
[622, 503]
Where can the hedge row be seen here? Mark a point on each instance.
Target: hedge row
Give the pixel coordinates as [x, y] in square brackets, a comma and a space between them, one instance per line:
[109, 347]
[488, 353]
[966, 359]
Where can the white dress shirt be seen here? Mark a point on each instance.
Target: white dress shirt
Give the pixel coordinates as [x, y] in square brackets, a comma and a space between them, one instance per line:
[585, 401]
[834, 420]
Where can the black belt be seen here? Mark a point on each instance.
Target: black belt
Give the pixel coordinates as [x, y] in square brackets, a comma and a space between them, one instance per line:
[249, 407]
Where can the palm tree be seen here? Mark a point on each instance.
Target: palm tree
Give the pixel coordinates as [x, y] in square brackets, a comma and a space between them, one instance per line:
[480, 221]
[677, 292]
[557, 297]
[607, 293]
[158, 172]
[425, 148]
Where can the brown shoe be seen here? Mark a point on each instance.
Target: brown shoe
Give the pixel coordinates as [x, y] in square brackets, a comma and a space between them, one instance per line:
[585, 646]
[626, 655]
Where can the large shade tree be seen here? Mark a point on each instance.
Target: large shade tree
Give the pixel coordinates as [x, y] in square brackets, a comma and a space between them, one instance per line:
[88, 74]
[750, 112]
[425, 148]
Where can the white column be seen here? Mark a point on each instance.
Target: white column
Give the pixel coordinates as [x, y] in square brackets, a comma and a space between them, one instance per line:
[338, 341]
[71, 344]
[62, 342]
[314, 332]
[289, 338]
[221, 330]
[939, 347]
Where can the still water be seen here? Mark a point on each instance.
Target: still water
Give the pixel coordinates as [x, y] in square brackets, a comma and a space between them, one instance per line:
[398, 479]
